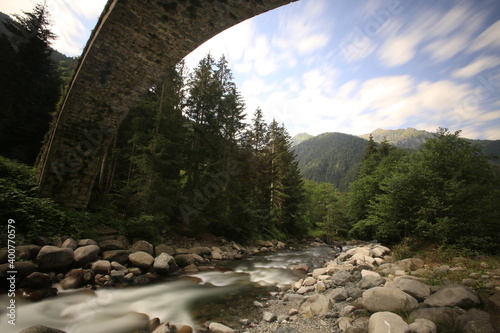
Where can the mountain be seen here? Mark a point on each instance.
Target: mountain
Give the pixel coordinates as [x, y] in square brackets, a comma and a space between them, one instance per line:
[301, 137]
[331, 157]
[409, 138]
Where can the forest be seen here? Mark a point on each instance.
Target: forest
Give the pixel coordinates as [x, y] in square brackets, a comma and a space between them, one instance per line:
[187, 160]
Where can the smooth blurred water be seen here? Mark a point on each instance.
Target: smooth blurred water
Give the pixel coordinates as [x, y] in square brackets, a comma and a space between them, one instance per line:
[109, 310]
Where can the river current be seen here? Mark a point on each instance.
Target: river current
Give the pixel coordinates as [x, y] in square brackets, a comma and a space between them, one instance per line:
[179, 299]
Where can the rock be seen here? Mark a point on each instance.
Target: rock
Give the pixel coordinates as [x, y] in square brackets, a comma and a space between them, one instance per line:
[360, 259]
[36, 280]
[85, 242]
[320, 287]
[191, 269]
[370, 281]
[317, 304]
[388, 299]
[41, 329]
[414, 288]
[73, 279]
[453, 296]
[300, 269]
[117, 266]
[164, 248]
[185, 329]
[493, 307]
[85, 254]
[162, 328]
[201, 250]
[443, 317]
[153, 324]
[143, 280]
[318, 272]
[38, 295]
[23, 252]
[101, 267]
[338, 294]
[70, 243]
[386, 322]
[219, 328]
[163, 262]
[111, 245]
[309, 281]
[216, 255]
[54, 258]
[103, 280]
[475, 321]
[264, 243]
[141, 259]
[269, 317]
[341, 278]
[346, 310]
[120, 256]
[142, 246]
[184, 260]
[422, 325]
[181, 250]
[286, 329]
[353, 290]
[366, 272]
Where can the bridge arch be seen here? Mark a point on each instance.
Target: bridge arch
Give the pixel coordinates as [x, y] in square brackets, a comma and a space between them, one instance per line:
[133, 44]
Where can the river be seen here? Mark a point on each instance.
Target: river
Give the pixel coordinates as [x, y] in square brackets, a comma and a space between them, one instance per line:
[191, 299]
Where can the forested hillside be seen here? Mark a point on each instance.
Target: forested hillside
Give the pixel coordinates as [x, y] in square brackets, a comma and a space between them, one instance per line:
[405, 138]
[301, 137]
[331, 157]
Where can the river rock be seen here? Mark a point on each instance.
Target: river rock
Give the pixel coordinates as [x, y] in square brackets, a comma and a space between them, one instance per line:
[216, 255]
[111, 245]
[101, 267]
[103, 280]
[286, 329]
[142, 246]
[320, 287]
[219, 328]
[162, 263]
[181, 250]
[54, 258]
[85, 254]
[370, 281]
[120, 256]
[41, 329]
[69, 243]
[269, 317]
[421, 325]
[318, 272]
[185, 329]
[23, 252]
[141, 259]
[317, 304]
[183, 260]
[443, 317]
[85, 242]
[201, 250]
[36, 280]
[493, 306]
[309, 281]
[453, 296]
[337, 295]
[300, 269]
[386, 322]
[190, 269]
[353, 290]
[414, 288]
[341, 278]
[388, 299]
[164, 248]
[475, 321]
[264, 243]
[73, 279]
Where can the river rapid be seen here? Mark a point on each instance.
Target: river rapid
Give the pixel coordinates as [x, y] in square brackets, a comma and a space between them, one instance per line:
[225, 293]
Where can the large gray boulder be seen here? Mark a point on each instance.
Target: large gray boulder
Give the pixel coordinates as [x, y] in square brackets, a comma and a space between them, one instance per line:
[341, 278]
[317, 304]
[163, 263]
[73, 279]
[54, 258]
[141, 259]
[143, 246]
[164, 248]
[338, 294]
[493, 306]
[386, 322]
[86, 241]
[120, 256]
[370, 281]
[36, 280]
[201, 250]
[70, 243]
[421, 325]
[475, 321]
[443, 317]
[388, 299]
[184, 260]
[453, 296]
[111, 245]
[86, 254]
[101, 267]
[415, 288]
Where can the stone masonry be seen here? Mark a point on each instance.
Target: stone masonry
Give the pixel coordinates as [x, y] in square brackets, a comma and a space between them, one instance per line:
[134, 43]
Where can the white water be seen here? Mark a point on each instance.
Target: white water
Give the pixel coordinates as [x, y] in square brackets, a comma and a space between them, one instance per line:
[129, 309]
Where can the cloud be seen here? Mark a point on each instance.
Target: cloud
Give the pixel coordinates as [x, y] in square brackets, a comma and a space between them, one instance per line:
[488, 38]
[399, 50]
[479, 64]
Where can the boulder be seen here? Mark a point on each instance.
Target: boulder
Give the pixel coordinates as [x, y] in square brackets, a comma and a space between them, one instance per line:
[309, 281]
[300, 269]
[184, 260]
[337, 294]
[141, 259]
[142, 246]
[422, 325]
[386, 322]
[103, 280]
[54, 258]
[101, 267]
[23, 269]
[317, 304]
[70, 243]
[181, 250]
[73, 279]
[415, 288]
[219, 328]
[36, 280]
[286, 329]
[341, 278]
[443, 317]
[111, 245]
[162, 263]
[475, 321]
[201, 250]
[318, 272]
[85, 242]
[269, 317]
[163, 248]
[23, 252]
[453, 296]
[41, 329]
[388, 299]
[216, 255]
[86, 254]
[493, 306]
[264, 243]
[370, 281]
[353, 290]
[120, 256]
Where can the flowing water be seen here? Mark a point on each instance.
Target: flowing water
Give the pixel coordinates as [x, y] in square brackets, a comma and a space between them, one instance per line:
[221, 294]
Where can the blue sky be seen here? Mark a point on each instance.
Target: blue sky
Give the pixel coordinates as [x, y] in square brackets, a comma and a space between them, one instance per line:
[349, 66]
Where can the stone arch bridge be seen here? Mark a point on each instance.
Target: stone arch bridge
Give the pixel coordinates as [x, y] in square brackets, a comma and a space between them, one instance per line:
[133, 44]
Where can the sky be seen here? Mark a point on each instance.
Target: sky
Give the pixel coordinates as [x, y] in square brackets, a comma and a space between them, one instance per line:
[347, 66]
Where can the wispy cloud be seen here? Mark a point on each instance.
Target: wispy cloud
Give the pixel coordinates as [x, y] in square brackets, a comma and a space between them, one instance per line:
[480, 64]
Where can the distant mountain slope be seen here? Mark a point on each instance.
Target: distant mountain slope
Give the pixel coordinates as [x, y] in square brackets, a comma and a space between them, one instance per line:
[331, 157]
[301, 137]
[410, 138]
